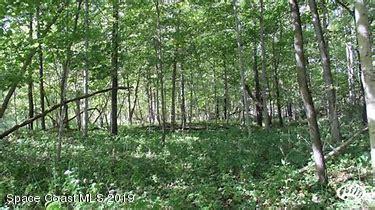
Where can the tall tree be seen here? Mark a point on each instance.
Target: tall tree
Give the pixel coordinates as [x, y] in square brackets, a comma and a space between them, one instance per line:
[368, 75]
[173, 105]
[159, 66]
[114, 65]
[276, 57]
[41, 70]
[241, 64]
[306, 94]
[63, 118]
[258, 94]
[327, 74]
[85, 120]
[30, 78]
[264, 83]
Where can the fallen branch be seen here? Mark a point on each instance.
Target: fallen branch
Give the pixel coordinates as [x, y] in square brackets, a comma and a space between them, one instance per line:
[336, 151]
[54, 107]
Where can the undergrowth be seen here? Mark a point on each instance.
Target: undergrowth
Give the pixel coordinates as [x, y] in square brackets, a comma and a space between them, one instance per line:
[217, 167]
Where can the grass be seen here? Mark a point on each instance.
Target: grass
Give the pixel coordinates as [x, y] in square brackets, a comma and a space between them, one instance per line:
[219, 167]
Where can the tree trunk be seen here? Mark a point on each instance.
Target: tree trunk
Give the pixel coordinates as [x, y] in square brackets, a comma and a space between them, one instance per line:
[264, 88]
[114, 64]
[226, 91]
[85, 120]
[351, 74]
[160, 69]
[30, 79]
[327, 74]
[173, 105]
[241, 65]
[183, 100]
[131, 113]
[368, 75]
[276, 56]
[63, 118]
[129, 100]
[191, 98]
[306, 95]
[258, 95]
[41, 70]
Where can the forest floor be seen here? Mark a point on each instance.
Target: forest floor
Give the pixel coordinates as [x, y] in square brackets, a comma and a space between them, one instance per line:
[217, 167]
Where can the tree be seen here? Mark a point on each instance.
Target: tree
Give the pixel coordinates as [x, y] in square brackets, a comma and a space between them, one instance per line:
[327, 74]
[368, 75]
[306, 94]
[30, 78]
[114, 66]
[241, 64]
[41, 69]
[85, 121]
[264, 84]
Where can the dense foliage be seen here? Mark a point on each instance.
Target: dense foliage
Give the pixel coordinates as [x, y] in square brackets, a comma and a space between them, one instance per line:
[187, 103]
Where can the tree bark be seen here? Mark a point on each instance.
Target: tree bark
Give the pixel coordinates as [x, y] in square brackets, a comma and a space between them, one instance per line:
[63, 118]
[264, 83]
[226, 90]
[368, 75]
[276, 79]
[306, 95]
[183, 100]
[114, 66]
[41, 70]
[351, 74]
[241, 65]
[131, 113]
[85, 119]
[160, 69]
[327, 74]
[173, 105]
[258, 94]
[30, 79]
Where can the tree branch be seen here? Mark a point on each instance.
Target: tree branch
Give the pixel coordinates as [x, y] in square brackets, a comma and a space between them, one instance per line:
[54, 107]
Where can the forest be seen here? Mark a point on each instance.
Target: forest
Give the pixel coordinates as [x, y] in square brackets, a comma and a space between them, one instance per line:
[187, 104]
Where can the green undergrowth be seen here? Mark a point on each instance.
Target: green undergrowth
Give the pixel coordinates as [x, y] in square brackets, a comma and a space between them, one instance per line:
[211, 167]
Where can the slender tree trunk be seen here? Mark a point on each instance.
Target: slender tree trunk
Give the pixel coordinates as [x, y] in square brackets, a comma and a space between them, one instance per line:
[183, 101]
[173, 105]
[191, 98]
[129, 100]
[226, 90]
[160, 68]
[258, 95]
[78, 114]
[241, 65]
[41, 70]
[114, 64]
[364, 109]
[290, 111]
[351, 74]
[63, 118]
[85, 120]
[306, 95]
[267, 121]
[131, 113]
[30, 79]
[368, 75]
[327, 74]
[276, 79]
